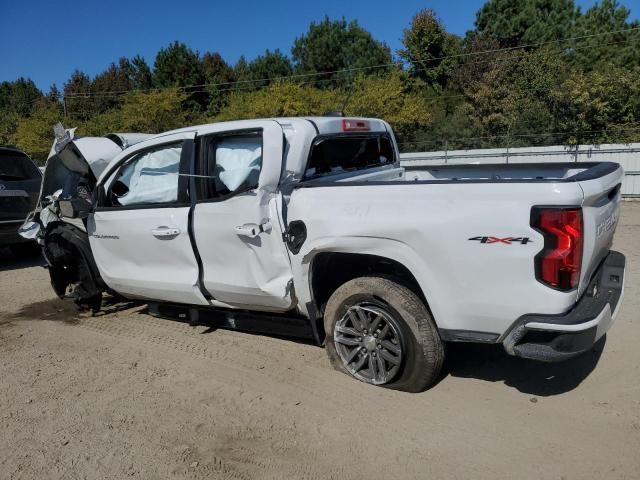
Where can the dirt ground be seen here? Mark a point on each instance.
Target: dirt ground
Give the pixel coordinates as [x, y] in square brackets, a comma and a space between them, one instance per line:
[125, 394]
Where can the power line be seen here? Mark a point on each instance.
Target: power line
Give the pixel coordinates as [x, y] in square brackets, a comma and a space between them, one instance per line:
[234, 88]
[356, 69]
[534, 45]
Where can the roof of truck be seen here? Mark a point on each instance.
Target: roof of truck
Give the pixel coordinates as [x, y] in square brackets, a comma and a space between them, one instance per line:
[323, 125]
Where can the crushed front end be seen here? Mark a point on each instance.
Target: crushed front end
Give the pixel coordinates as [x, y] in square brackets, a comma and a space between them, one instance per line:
[58, 222]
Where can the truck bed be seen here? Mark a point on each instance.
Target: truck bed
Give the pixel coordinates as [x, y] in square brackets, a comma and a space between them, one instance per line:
[471, 173]
[429, 216]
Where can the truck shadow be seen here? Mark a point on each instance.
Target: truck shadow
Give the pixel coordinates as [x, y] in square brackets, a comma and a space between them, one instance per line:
[10, 261]
[491, 363]
[67, 312]
[465, 360]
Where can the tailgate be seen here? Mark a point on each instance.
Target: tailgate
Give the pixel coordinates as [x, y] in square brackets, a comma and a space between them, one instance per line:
[601, 210]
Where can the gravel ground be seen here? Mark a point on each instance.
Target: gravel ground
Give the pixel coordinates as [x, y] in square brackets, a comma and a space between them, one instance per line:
[124, 394]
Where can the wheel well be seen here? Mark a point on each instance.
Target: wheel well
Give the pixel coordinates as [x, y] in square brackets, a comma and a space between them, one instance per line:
[71, 263]
[330, 270]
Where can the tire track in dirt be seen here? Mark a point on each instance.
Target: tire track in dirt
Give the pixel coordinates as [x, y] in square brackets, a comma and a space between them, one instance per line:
[228, 350]
[280, 369]
[237, 359]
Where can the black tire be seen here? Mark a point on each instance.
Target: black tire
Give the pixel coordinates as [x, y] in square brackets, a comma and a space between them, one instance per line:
[422, 350]
[26, 249]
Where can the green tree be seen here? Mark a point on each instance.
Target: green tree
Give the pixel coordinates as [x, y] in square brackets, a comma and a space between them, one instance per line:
[280, 99]
[18, 96]
[620, 48]
[116, 78]
[600, 106]
[513, 100]
[147, 112]
[241, 68]
[140, 73]
[477, 58]
[34, 134]
[452, 125]
[8, 125]
[218, 75]
[271, 65]
[216, 69]
[108, 87]
[54, 94]
[78, 97]
[426, 44]
[382, 96]
[177, 66]
[524, 22]
[329, 46]
[391, 98]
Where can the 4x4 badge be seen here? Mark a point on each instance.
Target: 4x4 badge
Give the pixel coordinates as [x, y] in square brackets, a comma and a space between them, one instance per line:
[506, 240]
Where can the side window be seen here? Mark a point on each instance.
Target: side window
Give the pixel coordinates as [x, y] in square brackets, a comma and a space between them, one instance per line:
[234, 163]
[148, 178]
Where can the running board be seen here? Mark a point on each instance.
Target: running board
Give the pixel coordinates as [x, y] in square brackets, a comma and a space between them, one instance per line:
[264, 323]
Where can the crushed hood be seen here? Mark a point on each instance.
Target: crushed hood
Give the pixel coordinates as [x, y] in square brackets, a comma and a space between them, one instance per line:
[73, 166]
[88, 156]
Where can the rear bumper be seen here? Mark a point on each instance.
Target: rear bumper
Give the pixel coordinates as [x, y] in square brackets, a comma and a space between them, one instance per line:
[558, 337]
[9, 232]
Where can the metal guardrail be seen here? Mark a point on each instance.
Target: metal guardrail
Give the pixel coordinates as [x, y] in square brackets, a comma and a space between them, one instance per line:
[627, 155]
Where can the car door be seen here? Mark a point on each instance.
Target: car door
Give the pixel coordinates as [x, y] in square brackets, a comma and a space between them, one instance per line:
[139, 231]
[237, 221]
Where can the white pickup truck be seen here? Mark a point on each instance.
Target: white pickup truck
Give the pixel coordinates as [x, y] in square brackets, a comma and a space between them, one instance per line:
[310, 226]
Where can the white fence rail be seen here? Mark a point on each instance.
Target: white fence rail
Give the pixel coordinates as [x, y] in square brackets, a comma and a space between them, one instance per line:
[627, 155]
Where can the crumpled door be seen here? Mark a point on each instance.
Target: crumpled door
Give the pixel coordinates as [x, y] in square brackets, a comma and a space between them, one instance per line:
[239, 236]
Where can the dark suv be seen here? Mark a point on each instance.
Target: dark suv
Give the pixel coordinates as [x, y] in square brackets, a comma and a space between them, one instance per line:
[19, 190]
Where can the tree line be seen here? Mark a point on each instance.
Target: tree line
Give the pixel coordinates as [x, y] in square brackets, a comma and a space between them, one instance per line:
[530, 72]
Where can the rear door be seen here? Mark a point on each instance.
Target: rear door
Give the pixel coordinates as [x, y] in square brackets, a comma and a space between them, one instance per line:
[139, 233]
[237, 221]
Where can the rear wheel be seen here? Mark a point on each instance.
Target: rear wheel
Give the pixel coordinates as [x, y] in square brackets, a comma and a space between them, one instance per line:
[381, 333]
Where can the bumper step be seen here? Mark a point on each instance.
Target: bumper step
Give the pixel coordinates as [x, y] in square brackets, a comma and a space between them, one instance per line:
[553, 338]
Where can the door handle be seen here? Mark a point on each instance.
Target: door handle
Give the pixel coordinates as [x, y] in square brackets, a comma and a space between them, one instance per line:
[252, 230]
[165, 232]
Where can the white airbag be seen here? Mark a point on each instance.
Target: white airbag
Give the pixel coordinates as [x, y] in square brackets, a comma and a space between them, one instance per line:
[238, 160]
[153, 178]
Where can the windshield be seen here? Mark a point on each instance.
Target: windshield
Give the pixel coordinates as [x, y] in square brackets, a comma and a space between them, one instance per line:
[330, 155]
[14, 166]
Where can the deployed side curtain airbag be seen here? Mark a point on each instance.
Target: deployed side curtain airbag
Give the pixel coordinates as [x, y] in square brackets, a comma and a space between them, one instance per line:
[152, 178]
[238, 162]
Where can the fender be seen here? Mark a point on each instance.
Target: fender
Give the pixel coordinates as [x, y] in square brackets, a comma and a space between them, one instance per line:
[382, 247]
[71, 262]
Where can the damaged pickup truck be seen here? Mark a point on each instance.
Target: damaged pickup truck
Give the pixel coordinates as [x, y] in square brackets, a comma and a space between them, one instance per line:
[310, 226]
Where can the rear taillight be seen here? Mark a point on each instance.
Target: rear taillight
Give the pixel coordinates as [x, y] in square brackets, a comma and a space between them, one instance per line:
[558, 264]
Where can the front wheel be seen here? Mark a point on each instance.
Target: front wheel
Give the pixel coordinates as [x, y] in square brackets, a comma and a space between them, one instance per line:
[381, 333]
